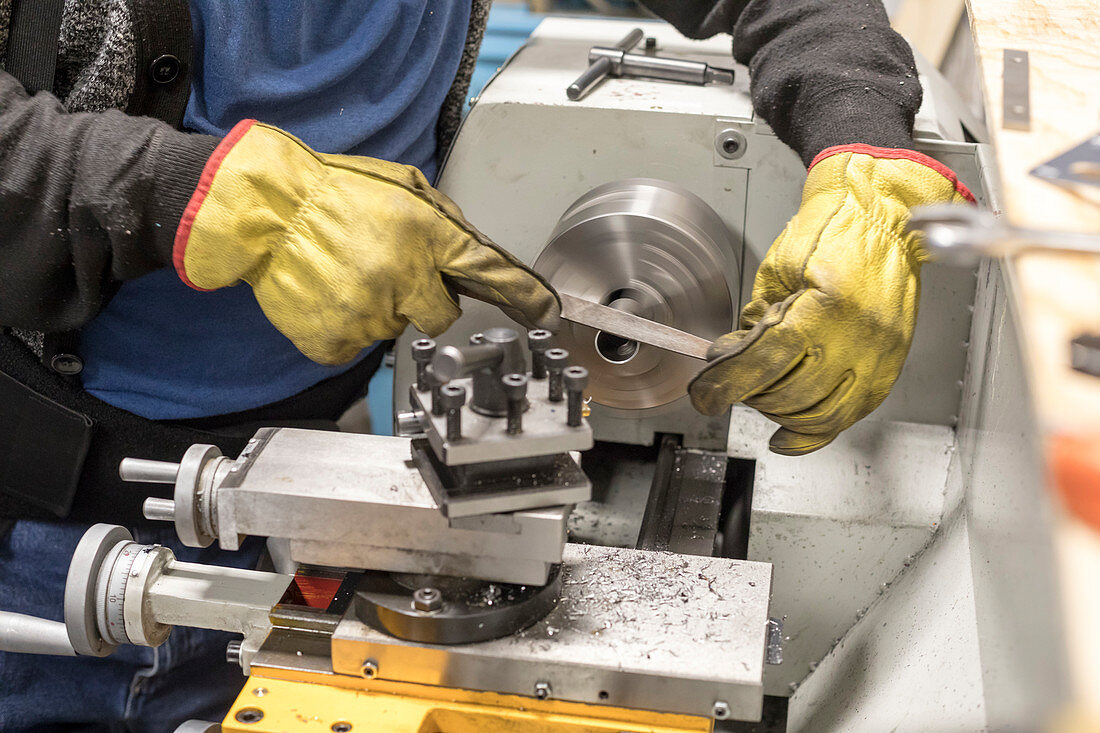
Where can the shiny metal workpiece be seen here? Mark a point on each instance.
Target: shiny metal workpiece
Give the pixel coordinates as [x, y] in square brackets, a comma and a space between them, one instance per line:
[654, 250]
[634, 629]
[631, 327]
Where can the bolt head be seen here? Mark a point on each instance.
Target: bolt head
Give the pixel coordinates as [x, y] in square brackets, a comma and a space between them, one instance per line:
[515, 386]
[575, 378]
[539, 339]
[370, 669]
[730, 144]
[423, 350]
[452, 396]
[427, 600]
[721, 710]
[543, 691]
[556, 358]
[249, 715]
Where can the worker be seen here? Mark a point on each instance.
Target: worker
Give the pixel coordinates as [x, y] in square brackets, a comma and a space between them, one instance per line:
[212, 213]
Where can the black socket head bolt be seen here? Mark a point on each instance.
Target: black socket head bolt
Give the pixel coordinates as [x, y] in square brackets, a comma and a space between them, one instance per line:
[422, 352]
[515, 389]
[452, 397]
[575, 379]
[556, 359]
[538, 341]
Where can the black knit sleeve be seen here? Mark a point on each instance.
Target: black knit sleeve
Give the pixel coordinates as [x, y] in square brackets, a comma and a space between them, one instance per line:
[824, 72]
[87, 200]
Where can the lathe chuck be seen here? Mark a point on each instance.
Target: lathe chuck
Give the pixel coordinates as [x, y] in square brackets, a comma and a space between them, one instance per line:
[656, 250]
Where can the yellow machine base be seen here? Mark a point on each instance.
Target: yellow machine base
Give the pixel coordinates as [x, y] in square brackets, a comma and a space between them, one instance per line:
[322, 705]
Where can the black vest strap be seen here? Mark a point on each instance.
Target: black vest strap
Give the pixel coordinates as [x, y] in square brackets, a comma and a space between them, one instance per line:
[32, 42]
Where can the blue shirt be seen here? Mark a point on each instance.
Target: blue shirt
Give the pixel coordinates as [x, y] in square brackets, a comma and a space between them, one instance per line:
[366, 77]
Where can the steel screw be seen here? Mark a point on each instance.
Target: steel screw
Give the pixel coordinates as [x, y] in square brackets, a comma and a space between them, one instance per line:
[538, 341]
[543, 691]
[435, 385]
[477, 339]
[233, 652]
[249, 715]
[422, 352]
[452, 397]
[555, 363]
[575, 379]
[428, 600]
[721, 710]
[370, 669]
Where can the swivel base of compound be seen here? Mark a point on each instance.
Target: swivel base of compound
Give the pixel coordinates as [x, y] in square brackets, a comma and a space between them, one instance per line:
[435, 609]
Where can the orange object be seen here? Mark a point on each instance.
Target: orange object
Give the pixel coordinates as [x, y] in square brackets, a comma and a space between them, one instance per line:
[1074, 462]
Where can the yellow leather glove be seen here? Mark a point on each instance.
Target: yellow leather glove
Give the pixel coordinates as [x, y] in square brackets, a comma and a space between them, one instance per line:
[835, 300]
[342, 251]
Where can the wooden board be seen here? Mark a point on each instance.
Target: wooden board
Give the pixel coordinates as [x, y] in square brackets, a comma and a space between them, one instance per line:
[1057, 296]
[929, 25]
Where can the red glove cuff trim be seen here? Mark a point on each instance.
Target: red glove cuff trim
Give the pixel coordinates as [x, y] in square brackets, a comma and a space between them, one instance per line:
[183, 232]
[899, 154]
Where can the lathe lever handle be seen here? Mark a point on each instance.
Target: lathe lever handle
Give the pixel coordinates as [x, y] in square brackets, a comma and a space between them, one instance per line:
[593, 75]
[454, 362]
[33, 635]
[598, 69]
[143, 470]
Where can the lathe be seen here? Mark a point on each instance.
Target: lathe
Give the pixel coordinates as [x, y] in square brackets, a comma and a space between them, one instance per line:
[434, 579]
[554, 539]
